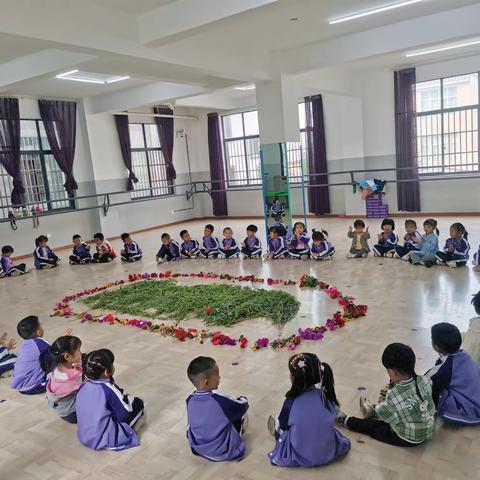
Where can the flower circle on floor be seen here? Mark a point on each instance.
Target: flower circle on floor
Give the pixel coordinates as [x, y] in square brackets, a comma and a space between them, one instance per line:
[349, 311]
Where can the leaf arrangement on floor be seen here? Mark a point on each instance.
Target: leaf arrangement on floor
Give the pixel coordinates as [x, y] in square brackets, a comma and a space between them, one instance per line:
[349, 310]
[222, 304]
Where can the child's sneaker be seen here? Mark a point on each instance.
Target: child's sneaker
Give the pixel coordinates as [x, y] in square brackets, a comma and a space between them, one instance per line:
[350, 255]
[452, 264]
[364, 255]
[406, 257]
[304, 256]
[340, 417]
[366, 408]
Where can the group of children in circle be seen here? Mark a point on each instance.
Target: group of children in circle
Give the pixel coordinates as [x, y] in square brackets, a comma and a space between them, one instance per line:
[282, 243]
[81, 390]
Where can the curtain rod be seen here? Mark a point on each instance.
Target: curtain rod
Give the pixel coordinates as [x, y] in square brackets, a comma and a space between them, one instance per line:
[148, 114]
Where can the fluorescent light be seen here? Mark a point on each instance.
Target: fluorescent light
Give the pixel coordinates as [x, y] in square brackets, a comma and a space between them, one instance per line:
[119, 79]
[62, 75]
[442, 49]
[73, 79]
[365, 13]
[245, 88]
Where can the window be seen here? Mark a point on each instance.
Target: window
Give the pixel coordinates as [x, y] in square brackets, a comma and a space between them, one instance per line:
[148, 162]
[241, 141]
[42, 178]
[447, 124]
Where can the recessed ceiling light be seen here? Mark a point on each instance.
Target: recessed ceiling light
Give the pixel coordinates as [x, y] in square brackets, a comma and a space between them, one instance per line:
[443, 48]
[373, 11]
[90, 77]
[245, 88]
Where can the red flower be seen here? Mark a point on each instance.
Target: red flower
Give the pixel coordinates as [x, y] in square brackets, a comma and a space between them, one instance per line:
[209, 310]
[181, 334]
[243, 342]
[168, 274]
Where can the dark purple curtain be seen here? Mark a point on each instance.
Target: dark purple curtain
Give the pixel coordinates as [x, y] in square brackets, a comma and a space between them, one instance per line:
[10, 145]
[165, 133]
[60, 122]
[408, 193]
[318, 197]
[121, 122]
[217, 167]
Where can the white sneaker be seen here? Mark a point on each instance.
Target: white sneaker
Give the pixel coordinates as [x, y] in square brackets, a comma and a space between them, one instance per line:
[364, 255]
[452, 264]
[406, 257]
[271, 425]
[366, 408]
[396, 255]
[350, 255]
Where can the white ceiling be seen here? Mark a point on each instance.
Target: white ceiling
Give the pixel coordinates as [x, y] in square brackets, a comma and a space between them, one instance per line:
[131, 6]
[254, 45]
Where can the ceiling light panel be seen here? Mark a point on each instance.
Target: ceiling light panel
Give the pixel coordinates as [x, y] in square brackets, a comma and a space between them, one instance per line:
[91, 77]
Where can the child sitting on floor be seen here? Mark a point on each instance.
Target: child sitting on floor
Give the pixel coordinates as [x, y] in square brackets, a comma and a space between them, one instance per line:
[169, 251]
[189, 248]
[304, 430]
[228, 247]
[216, 422]
[8, 267]
[65, 380]
[43, 254]
[387, 240]
[81, 251]
[406, 416]
[28, 375]
[359, 235]
[455, 378]
[412, 239]
[251, 246]
[211, 244]
[428, 246]
[277, 246]
[131, 252]
[107, 417]
[471, 340]
[321, 248]
[7, 359]
[105, 252]
[455, 251]
[298, 244]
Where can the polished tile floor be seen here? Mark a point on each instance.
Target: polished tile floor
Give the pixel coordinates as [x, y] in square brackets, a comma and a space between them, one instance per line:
[404, 301]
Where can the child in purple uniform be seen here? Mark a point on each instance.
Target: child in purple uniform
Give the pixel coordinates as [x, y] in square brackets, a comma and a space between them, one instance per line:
[107, 418]
[228, 247]
[131, 252]
[298, 244]
[211, 244]
[321, 248]
[277, 246]
[455, 378]
[412, 239]
[216, 422]
[387, 240]
[251, 246]
[8, 266]
[189, 247]
[456, 249]
[169, 251]
[28, 375]
[7, 359]
[304, 430]
[43, 254]
[81, 251]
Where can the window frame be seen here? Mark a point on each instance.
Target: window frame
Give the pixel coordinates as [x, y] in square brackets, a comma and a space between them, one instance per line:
[148, 151]
[441, 112]
[248, 184]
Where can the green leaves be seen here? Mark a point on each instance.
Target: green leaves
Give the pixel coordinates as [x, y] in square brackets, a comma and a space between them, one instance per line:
[229, 303]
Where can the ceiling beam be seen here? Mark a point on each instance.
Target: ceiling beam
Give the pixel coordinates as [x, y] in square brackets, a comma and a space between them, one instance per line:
[184, 18]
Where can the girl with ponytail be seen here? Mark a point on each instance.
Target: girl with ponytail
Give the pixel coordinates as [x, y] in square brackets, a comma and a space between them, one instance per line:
[406, 416]
[65, 360]
[106, 416]
[304, 430]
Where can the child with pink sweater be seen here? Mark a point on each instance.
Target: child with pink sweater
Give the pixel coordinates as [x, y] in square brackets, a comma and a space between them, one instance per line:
[66, 378]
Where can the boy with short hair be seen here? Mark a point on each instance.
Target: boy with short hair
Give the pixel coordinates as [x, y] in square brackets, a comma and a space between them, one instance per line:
[211, 245]
[412, 239]
[251, 246]
[359, 235]
[105, 252]
[216, 422]
[8, 267]
[189, 247]
[277, 245]
[228, 248]
[169, 251]
[81, 251]
[131, 252]
[455, 378]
